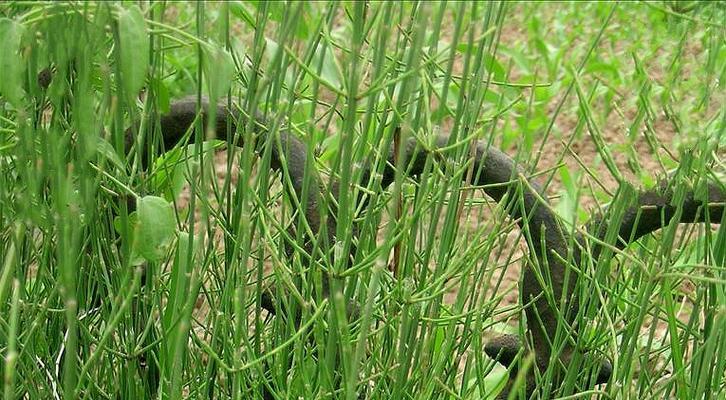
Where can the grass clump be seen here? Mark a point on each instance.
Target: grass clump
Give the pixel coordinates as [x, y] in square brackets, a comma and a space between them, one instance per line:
[137, 269]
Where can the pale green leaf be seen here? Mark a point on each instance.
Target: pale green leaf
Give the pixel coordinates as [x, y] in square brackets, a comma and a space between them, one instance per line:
[133, 49]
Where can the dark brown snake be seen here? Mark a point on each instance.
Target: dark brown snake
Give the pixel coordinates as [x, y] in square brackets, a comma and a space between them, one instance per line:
[503, 181]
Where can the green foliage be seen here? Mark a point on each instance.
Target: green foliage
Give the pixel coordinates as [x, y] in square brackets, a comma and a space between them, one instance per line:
[133, 49]
[156, 227]
[218, 70]
[11, 64]
[101, 301]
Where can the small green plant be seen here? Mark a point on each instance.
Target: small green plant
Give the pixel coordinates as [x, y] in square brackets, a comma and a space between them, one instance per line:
[132, 267]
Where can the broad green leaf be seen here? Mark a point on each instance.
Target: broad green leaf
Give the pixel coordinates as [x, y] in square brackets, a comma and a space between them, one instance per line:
[156, 228]
[134, 49]
[329, 71]
[133, 224]
[271, 49]
[11, 62]
[219, 70]
[106, 149]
